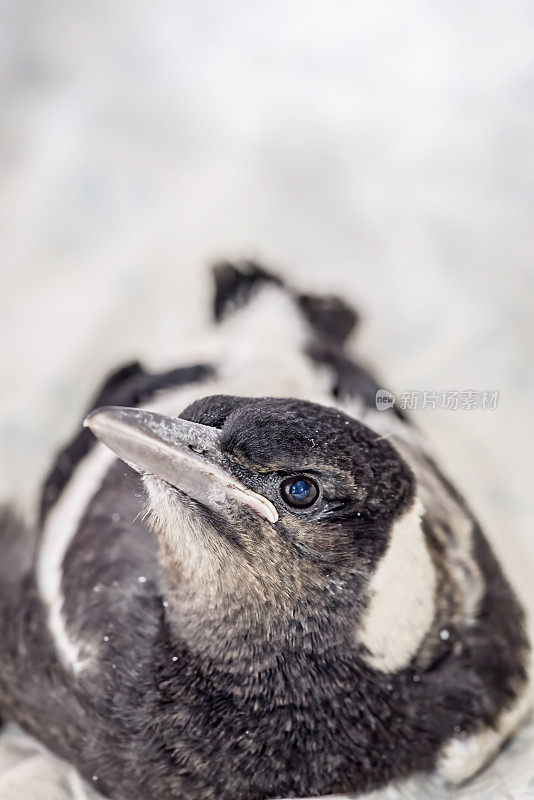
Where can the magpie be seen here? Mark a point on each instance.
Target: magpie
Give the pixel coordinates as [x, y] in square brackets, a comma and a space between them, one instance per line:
[246, 582]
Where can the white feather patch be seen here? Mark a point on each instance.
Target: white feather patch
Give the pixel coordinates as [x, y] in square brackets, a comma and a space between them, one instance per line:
[60, 528]
[462, 758]
[402, 597]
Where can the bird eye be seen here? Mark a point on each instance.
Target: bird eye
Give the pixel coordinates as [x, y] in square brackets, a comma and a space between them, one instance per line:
[299, 492]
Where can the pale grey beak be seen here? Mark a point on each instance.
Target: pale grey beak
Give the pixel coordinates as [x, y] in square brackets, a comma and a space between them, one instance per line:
[185, 454]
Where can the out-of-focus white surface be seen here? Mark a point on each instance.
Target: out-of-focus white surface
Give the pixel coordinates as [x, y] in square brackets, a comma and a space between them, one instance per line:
[381, 149]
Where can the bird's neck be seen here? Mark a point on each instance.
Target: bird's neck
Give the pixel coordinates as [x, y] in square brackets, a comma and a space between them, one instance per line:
[240, 627]
[236, 610]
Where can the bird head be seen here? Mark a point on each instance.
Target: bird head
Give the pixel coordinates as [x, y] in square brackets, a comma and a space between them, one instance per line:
[271, 514]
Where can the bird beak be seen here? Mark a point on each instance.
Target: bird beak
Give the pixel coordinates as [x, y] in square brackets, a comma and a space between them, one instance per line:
[185, 454]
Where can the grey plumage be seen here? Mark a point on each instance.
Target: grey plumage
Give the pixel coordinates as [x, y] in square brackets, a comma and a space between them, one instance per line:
[174, 643]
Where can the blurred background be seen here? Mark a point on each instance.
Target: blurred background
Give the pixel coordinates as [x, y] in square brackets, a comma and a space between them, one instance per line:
[380, 149]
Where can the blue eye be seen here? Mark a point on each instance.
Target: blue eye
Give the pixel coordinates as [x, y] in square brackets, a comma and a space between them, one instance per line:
[299, 492]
